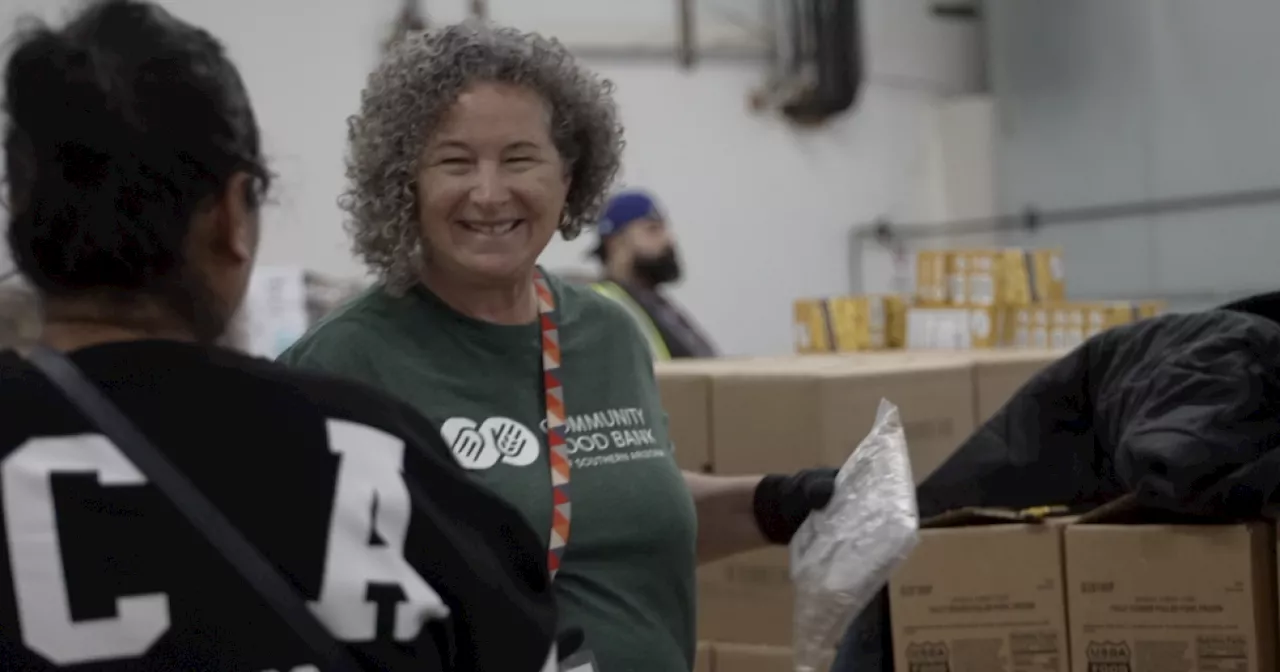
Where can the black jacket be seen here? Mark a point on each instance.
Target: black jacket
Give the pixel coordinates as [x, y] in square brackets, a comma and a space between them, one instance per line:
[1179, 408]
[1184, 410]
[353, 495]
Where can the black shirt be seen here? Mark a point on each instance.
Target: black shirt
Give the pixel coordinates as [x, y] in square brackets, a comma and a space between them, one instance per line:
[350, 493]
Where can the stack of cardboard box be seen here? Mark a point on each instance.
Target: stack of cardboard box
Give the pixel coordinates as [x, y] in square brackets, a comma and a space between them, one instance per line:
[1111, 590]
[778, 415]
[965, 299]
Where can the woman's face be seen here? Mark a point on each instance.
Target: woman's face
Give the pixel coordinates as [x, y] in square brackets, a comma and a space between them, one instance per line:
[491, 185]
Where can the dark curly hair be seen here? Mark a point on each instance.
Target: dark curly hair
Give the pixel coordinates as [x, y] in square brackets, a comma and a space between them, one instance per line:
[120, 125]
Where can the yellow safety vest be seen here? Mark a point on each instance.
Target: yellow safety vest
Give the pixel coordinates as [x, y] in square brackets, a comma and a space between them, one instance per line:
[651, 333]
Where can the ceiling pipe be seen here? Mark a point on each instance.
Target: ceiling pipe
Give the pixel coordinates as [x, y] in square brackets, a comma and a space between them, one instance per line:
[686, 33]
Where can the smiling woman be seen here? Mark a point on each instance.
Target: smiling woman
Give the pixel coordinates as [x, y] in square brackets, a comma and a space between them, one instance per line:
[491, 189]
[473, 147]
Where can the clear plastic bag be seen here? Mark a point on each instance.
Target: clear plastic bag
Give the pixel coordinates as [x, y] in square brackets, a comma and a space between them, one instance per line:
[843, 555]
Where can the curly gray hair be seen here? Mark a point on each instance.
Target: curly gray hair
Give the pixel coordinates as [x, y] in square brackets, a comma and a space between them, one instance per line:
[410, 91]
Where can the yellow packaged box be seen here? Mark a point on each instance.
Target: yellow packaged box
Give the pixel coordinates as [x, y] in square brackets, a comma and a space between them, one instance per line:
[1048, 278]
[955, 328]
[846, 323]
[1028, 327]
[1066, 325]
[957, 265]
[932, 278]
[859, 322]
[811, 329]
[896, 329]
[1013, 277]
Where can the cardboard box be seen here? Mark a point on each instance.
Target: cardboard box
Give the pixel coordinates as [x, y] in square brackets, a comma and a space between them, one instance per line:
[747, 598]
[982, 591]
[748, 658]
[777, 418]
[686, 397]
[774, 415]
[998, 374]
[702, 661]
[1171, 597]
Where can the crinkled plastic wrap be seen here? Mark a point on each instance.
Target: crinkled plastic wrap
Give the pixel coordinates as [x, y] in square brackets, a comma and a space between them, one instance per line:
[843, 555]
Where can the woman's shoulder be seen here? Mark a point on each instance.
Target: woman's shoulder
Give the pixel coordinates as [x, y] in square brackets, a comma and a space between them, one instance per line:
[347, 337]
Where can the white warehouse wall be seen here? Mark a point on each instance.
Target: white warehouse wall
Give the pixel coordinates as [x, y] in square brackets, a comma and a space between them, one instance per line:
[763, 210]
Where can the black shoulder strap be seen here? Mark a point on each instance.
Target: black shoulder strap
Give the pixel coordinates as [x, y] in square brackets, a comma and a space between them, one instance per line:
[260, 573]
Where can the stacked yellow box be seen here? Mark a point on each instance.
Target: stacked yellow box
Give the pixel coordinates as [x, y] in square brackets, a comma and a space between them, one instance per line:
[849, 323]
[969, 306]
[965, 300]
[1005, 297]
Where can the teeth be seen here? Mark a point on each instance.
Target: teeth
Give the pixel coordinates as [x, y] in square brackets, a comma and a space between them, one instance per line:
[492, 229]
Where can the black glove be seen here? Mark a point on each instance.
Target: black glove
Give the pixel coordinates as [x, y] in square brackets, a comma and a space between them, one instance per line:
[783, 502]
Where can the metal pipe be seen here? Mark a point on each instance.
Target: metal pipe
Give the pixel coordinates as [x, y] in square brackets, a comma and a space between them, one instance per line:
[1033, 218]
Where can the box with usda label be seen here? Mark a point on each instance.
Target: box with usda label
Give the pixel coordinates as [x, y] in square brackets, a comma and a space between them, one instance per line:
[1153, 595]
[983, 590]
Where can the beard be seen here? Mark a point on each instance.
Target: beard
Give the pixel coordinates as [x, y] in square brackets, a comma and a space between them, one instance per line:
[658, 269]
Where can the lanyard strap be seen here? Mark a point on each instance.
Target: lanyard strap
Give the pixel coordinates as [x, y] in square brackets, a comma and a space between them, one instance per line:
[558, 458]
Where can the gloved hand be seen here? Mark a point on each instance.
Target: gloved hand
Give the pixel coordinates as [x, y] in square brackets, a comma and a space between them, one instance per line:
[783, 502]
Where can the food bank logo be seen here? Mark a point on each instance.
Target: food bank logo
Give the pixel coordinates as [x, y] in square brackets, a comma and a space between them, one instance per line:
[498, 439]
[1108, 657]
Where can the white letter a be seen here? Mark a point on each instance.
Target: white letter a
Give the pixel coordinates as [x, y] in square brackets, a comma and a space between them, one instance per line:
[370, 497]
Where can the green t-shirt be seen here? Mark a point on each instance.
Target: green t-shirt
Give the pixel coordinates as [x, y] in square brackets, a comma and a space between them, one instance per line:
[627, 576]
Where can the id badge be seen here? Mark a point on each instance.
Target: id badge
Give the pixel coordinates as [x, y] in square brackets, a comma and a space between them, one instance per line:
[582, 661]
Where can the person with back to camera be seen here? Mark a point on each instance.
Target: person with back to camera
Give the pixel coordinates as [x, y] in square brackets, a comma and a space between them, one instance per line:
[134, 176]
[474, 145]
